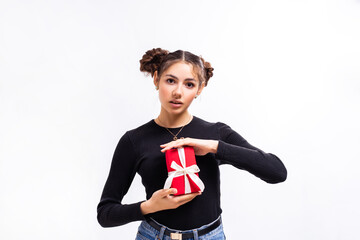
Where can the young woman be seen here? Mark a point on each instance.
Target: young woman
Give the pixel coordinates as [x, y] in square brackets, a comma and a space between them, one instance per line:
[179, 77]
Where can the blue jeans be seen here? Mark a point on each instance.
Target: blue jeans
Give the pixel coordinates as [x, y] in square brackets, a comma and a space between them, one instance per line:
[147, 232]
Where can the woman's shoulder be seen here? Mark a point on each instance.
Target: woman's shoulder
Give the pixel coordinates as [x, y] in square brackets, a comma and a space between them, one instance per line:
[142, 129]
[222, 129]
[207, 123]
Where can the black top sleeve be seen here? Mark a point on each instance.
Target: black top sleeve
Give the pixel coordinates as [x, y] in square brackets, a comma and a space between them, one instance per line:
[235, 150]
[110, 211]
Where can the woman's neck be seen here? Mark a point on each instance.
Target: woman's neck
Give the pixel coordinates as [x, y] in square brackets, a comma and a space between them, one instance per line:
[173, 121]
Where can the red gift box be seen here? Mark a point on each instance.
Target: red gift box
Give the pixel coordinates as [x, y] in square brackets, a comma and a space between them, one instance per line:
[183, 171]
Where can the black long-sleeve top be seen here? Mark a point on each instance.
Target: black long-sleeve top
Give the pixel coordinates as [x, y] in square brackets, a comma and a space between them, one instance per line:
[138, 151]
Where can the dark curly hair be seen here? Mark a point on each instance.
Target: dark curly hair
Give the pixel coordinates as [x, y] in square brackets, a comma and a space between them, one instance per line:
[159, 60]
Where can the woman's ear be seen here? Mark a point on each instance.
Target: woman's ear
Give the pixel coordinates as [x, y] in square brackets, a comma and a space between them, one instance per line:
[156, 80]
[201, 87]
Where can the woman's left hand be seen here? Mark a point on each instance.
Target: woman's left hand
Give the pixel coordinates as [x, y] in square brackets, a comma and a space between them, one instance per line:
[201, 146]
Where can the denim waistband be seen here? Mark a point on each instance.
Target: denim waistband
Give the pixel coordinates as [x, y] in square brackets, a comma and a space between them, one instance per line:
[155, 230]
[190, 230]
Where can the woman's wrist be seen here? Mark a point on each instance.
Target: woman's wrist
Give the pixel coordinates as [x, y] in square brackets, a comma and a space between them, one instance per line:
[146, 208]
[214, 146]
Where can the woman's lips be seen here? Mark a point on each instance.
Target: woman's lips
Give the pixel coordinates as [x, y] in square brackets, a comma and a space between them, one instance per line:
[175, 104]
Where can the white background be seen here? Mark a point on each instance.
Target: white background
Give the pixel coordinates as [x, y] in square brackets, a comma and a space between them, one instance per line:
[286, 78]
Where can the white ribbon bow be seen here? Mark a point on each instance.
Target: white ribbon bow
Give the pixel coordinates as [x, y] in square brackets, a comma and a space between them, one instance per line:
[183, 170]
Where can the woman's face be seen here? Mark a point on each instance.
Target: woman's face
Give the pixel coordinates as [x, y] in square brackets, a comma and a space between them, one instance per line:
[178, 86]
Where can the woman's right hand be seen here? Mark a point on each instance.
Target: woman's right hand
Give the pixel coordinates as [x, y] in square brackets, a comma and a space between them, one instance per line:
[162, 200]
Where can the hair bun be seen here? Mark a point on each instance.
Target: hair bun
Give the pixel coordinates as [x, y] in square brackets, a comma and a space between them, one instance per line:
[208, 70]
[152, 59]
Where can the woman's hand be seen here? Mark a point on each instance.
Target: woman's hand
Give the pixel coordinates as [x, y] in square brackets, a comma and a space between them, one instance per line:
[201, 146]
[162, 200]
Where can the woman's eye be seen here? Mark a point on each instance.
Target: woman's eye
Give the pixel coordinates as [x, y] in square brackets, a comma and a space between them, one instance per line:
[190, 85]
[170, 80]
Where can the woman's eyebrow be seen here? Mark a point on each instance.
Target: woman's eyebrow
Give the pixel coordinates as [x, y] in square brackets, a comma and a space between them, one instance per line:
[190, 79]
[187, 79]
[170, 75]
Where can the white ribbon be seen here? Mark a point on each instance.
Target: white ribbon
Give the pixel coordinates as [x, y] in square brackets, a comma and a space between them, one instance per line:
[186, 171]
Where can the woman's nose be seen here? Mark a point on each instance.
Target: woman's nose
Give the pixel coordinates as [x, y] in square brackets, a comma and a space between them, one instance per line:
[177, 91]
